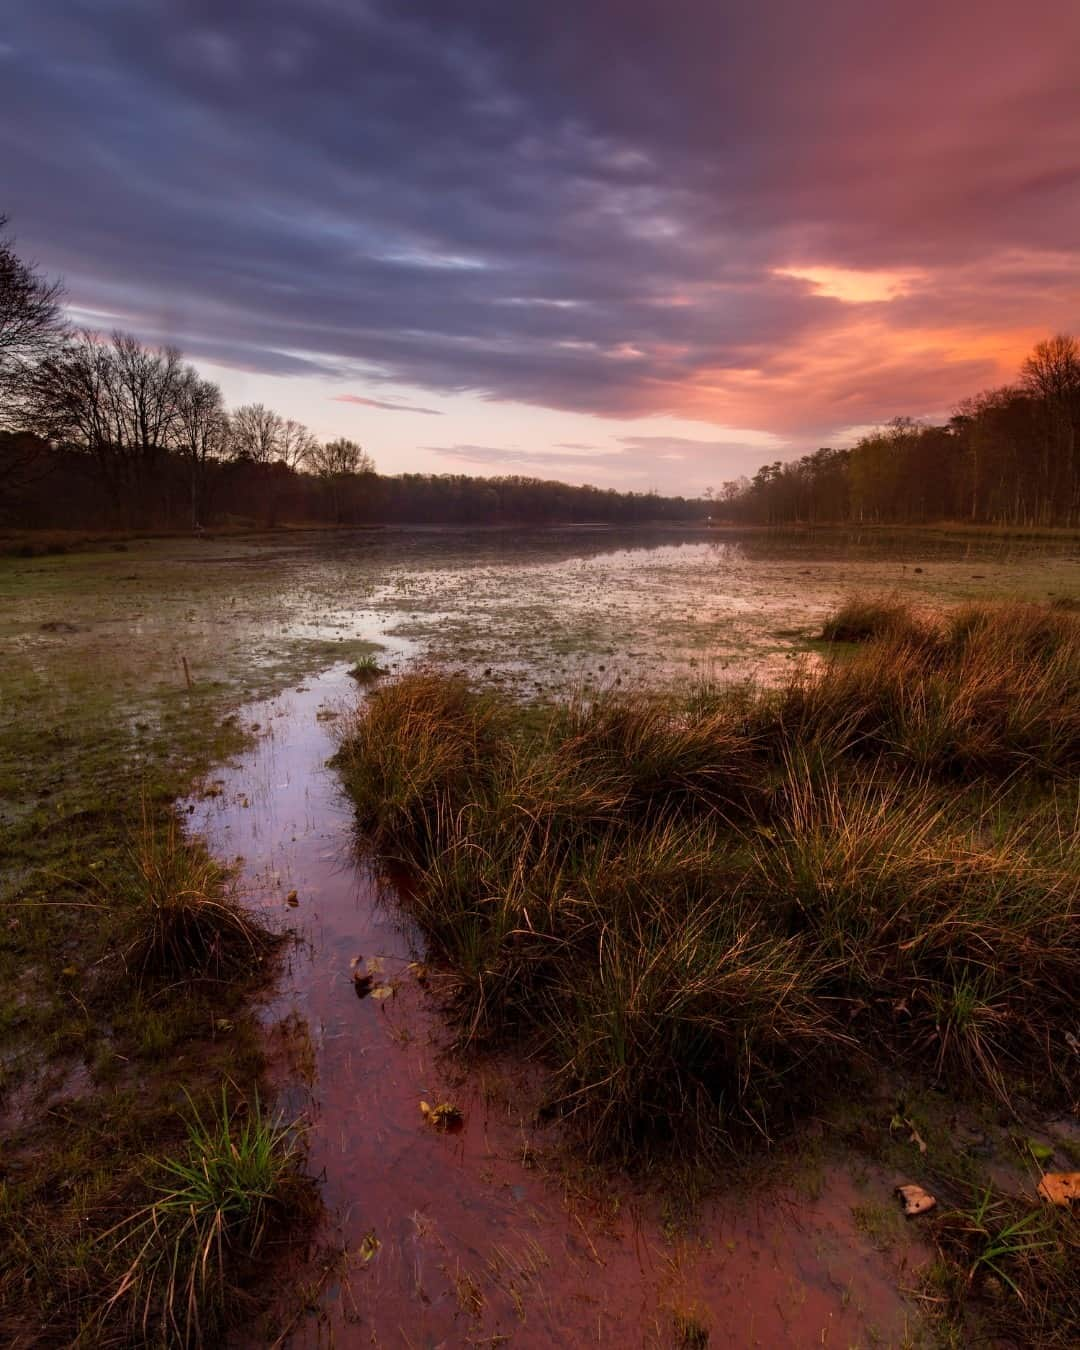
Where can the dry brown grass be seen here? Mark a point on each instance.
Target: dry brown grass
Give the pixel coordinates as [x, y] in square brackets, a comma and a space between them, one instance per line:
[700, 911]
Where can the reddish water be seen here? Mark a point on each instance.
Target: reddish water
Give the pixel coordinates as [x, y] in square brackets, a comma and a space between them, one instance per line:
[477, 1244]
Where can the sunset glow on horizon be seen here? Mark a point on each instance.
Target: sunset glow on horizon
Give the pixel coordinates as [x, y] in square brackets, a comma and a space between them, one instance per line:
[618, 244]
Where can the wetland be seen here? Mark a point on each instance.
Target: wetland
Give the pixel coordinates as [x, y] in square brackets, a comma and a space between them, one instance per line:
[201, 686]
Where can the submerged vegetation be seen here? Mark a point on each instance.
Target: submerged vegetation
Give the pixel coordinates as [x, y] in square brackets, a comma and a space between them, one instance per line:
[692, 910]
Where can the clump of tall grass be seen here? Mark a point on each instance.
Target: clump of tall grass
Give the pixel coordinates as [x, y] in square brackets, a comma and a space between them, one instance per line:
[183, 1254]
[994, 689]
[192, 925]
[366, 670]
[693, 907]
[862, 620]
[414, 755]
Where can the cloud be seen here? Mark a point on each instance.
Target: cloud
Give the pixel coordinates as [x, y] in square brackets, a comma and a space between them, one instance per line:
[633, 461]
[803, 218]
[385, 405]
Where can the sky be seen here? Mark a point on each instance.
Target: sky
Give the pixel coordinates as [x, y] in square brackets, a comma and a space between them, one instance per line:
[639, 244]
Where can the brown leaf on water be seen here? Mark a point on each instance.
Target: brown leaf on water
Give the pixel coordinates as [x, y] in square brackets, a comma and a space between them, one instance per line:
[444, 1116]
[292, 899]
[382, 991]
[1060, 1188]
[915, 1200]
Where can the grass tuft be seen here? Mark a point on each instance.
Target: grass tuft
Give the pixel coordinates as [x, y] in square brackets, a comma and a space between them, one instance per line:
[218, 1200]
[192, 925]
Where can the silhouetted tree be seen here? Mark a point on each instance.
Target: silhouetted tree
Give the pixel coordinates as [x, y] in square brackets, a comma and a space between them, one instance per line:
[338, 463]
[255, 434]
[202, 432]
[31, 326]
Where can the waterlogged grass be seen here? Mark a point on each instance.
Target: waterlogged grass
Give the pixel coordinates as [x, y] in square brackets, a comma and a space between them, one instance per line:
[709, 913]
[217, 1201]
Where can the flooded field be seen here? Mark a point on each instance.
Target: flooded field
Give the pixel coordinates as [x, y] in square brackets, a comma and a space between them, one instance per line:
[484, 1234]
[527, 606]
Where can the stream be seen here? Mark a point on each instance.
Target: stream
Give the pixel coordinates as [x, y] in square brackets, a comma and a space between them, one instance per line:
[470, 1237]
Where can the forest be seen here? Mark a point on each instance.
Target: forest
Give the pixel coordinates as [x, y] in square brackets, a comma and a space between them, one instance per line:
[1007, 456]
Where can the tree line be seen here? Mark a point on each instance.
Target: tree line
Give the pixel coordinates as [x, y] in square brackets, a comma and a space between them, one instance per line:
[104, 430]
[1008, 456]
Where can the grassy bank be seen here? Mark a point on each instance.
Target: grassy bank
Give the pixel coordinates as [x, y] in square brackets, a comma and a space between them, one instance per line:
[127, 972]
[708, 914]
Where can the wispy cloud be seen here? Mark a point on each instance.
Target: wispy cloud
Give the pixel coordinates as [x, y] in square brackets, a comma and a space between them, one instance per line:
[385, 405]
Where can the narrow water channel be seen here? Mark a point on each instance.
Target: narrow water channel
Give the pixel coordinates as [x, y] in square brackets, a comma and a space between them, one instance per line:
[469, 1238]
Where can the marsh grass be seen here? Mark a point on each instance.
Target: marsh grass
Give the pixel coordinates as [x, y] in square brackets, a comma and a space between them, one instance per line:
[218, 1199]
[700, 910]
[1015, 1265]
[862, 620]
[367, 669]
[190, 924]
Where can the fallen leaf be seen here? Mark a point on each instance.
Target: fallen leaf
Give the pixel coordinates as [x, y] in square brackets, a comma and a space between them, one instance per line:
[1060, 1188]
[291, 899]
[916, 1200]
[355, 961]
[375, 965]
[223, 1024]
[69, 972]
[383, 991]
[418, 970]
[444, 1116]
[369, 1246]
[362, 984]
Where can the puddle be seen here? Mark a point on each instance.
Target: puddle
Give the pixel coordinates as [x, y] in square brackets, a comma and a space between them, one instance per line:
[454, 1238]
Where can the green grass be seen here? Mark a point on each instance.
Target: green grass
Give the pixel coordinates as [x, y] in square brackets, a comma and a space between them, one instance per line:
[123, 955]
[367, 669]
[217, 1201]
[1014, 1268]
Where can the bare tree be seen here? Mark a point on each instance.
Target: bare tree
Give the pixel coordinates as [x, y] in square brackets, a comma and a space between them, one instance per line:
[146, 387]
[255, 434]
[1051, 374]
[1052, 371]
[31, 326]
[295, 444]
[201, 432]
[71, 398]
[336, 463]
[117, 400]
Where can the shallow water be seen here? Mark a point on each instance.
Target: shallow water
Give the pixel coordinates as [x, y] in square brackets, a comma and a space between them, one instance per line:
[453, 1239]
[476, 1237]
